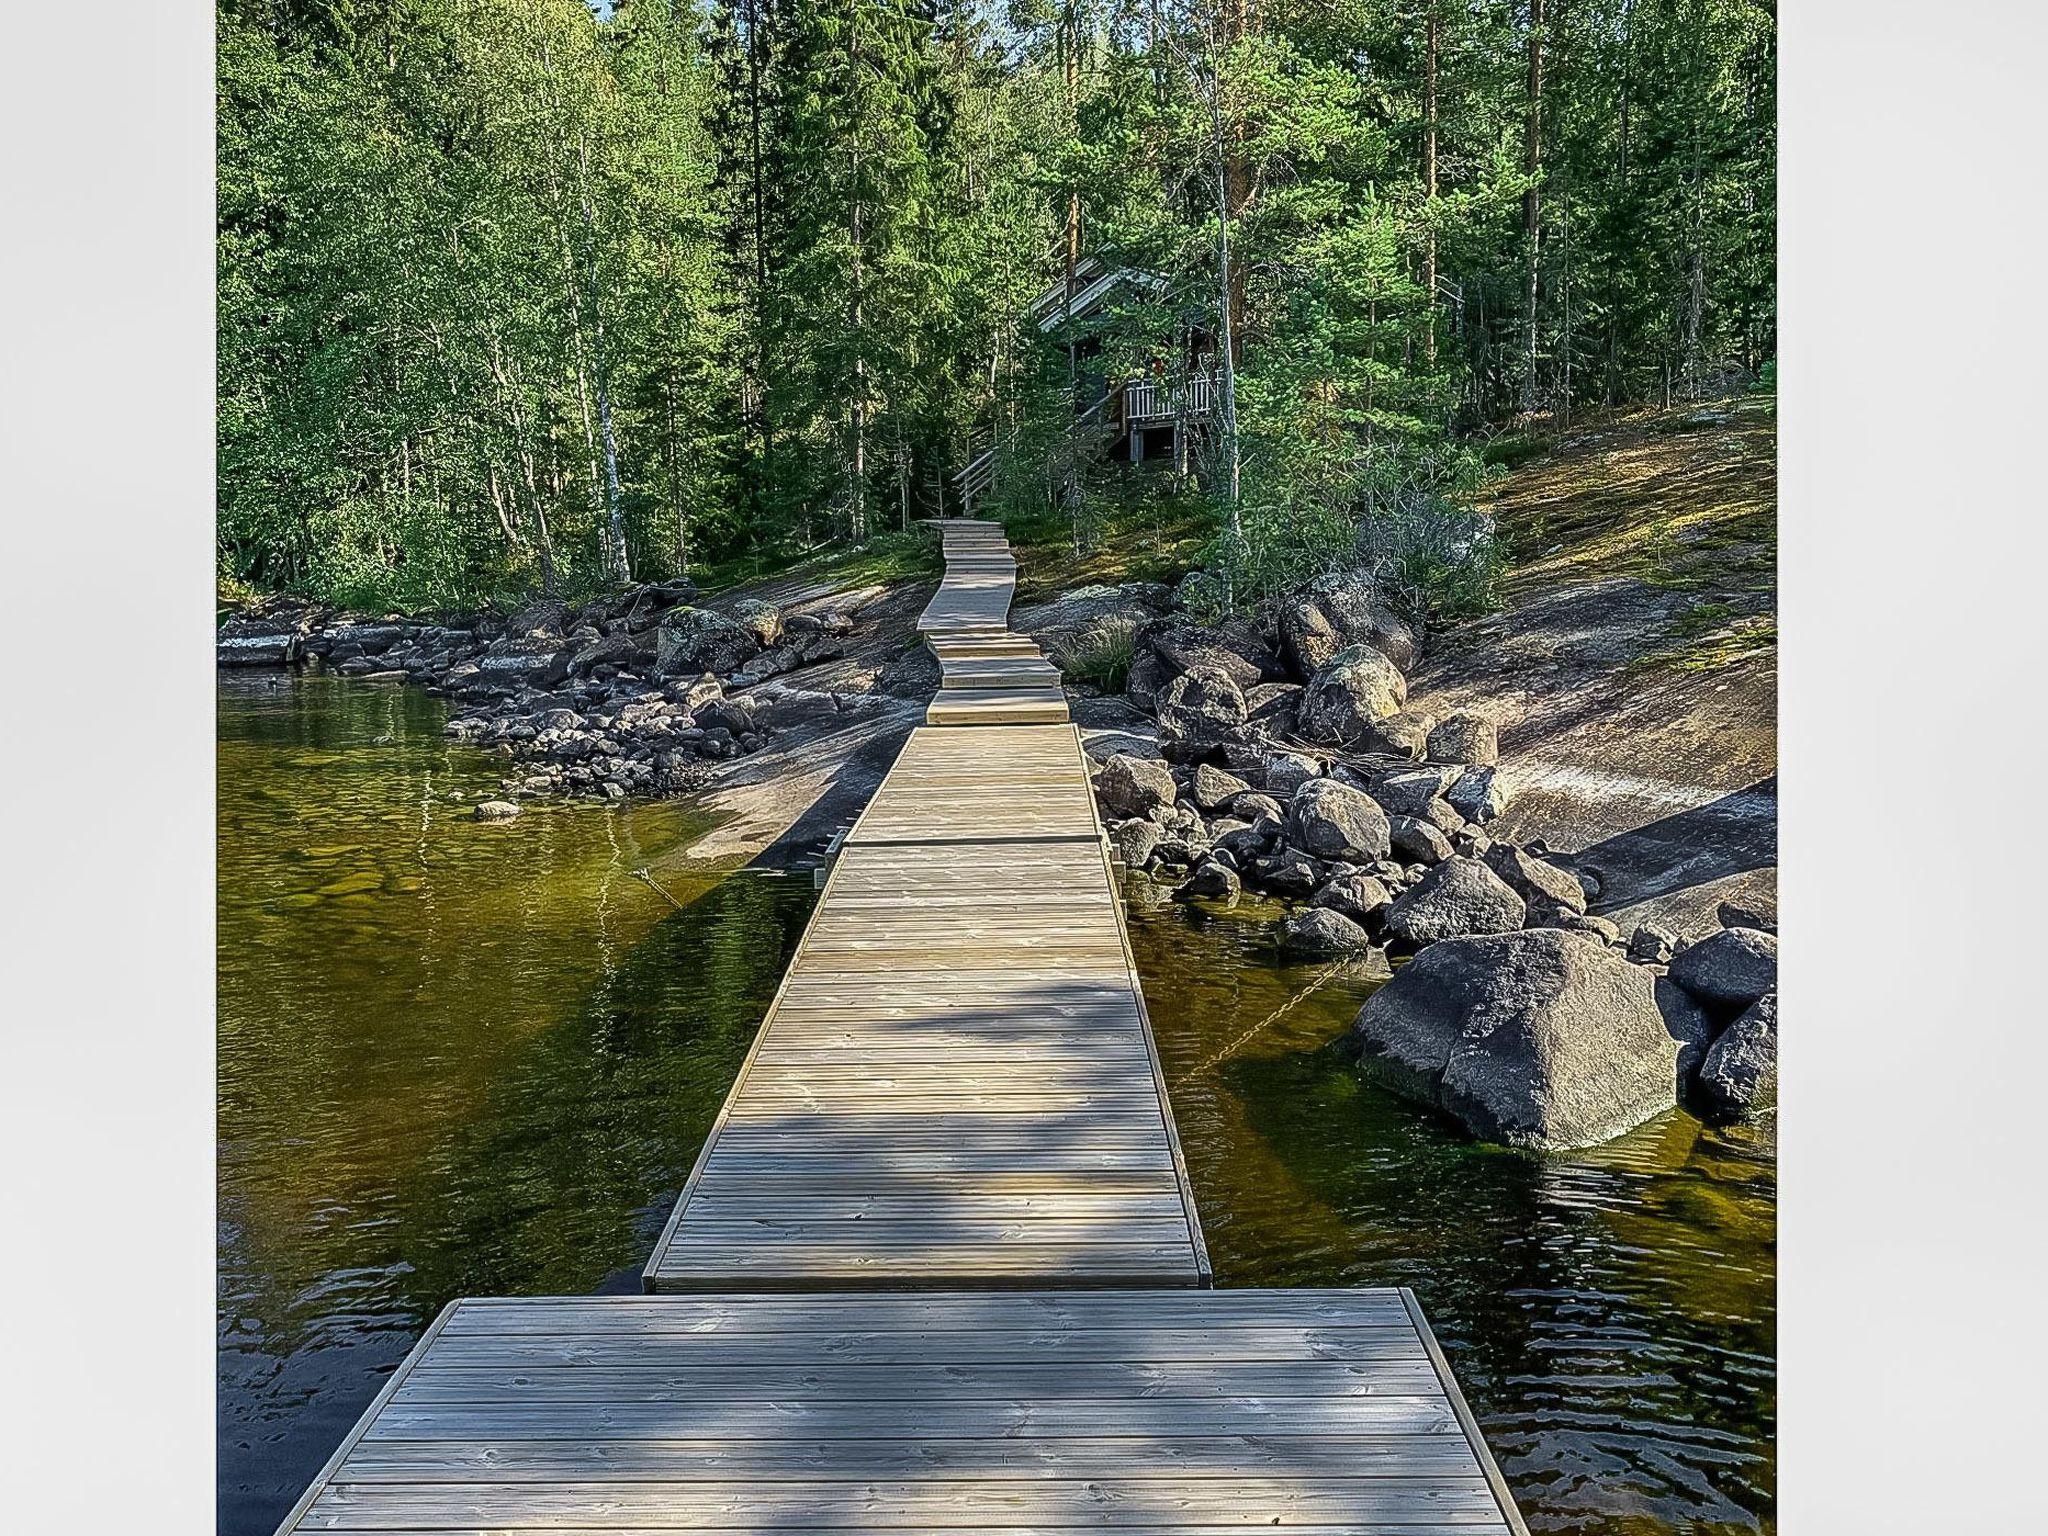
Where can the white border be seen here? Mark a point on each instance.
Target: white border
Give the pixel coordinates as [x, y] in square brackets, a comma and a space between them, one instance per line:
[1913, 623]
[106, 1008]
[1912, 1215]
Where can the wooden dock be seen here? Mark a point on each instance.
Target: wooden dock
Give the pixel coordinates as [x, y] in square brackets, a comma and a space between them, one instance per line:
[944, 1265]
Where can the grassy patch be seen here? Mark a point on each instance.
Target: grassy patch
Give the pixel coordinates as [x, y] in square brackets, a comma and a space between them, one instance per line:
[1692, 511]
[885, 557]
[1512, 450]
[1103, 658]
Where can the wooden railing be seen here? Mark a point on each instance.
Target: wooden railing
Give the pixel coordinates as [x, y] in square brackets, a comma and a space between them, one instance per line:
[1148, 400]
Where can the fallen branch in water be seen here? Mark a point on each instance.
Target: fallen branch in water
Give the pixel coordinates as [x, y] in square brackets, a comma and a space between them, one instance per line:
[642, 874]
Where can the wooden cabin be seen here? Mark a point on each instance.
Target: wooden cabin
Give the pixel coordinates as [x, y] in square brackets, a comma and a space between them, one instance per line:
[1151, 414]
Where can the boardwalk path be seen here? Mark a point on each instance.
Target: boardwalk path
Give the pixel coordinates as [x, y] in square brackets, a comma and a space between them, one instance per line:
[955, 1087]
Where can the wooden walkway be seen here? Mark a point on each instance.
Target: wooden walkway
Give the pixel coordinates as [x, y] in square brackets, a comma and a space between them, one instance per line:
[955, 1090]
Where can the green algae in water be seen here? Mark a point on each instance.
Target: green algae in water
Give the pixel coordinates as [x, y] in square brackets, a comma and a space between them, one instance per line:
[454, 1058]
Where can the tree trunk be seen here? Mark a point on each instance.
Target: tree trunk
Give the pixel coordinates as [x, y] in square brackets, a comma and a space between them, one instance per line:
[1430, 43]
[1532, 202]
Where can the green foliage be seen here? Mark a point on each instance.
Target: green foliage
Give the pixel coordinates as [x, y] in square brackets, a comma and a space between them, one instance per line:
[512, 293]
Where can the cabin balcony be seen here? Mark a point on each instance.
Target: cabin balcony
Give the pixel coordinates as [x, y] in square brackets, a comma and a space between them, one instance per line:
[1154, 402]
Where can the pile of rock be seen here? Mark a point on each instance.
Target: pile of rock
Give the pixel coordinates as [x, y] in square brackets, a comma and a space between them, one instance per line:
[624, 694]
[1291, 764]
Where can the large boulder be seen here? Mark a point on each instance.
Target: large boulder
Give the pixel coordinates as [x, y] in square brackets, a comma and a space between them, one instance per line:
[1334, 821]
[1321, 931]
[1201, 707]
[1730, 969]
[693, 641]
[1551, 893]
[1464, 737]
[1340, 609]
[1457, 899]
[1739, 1078]
[1542, 1039]
[1134, 786]
[1347, 694]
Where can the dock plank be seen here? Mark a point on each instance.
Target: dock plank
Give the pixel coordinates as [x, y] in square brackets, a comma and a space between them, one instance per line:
[1176, 1410]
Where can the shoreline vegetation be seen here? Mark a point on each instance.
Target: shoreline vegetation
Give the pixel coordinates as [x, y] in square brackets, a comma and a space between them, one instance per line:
[524, 298]
[630, 347]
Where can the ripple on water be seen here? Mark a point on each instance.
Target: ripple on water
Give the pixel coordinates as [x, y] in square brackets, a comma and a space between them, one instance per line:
[486, 1068]
[1609, 1313]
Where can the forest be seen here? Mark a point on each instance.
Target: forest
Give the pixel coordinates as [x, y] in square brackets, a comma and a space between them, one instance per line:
[520, 294]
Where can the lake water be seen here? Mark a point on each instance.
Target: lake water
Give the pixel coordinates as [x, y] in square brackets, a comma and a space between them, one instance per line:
[463, 1058]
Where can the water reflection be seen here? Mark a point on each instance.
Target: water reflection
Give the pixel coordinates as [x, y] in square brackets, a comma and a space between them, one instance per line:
[1610, 1313]
[459, 1058]
[455, 1058]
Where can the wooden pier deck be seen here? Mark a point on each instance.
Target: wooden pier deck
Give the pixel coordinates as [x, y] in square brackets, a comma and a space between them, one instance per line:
[1177, 1413]
[955, 1090]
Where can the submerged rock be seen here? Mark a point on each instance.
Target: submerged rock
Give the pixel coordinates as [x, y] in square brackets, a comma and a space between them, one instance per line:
[1322, 931]
[1542, 1039]
[495, 810]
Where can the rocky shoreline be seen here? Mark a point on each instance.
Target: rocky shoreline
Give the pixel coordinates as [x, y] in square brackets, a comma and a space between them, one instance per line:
[1274, 753]
[633, 693]
[1277, 754]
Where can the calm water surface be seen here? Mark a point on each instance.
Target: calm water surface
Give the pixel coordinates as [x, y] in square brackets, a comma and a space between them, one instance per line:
[462, 1058]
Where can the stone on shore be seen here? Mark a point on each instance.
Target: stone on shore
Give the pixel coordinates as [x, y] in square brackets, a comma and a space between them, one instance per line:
[692, 641]
[1353, 689]
[1201, 707]
[1211, 788]
[1549, 892]
[1730, 969]
[1340, 609]
[1739, 1078]
[1477, 794]
[1360, 897]
[1134, 841]
[1416, 841]
[1544, 1039]
[1334, 821]
[1457, 899]
[1465, 737]
[1134, 786]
